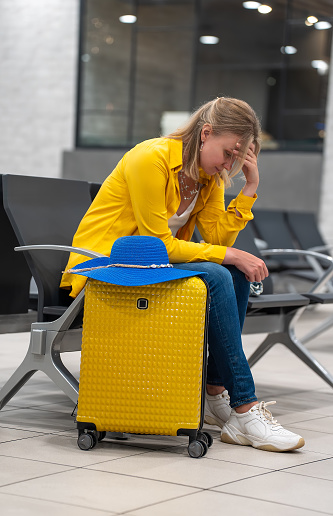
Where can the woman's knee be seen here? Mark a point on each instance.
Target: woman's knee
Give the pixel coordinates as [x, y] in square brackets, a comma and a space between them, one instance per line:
[217, 272]
[219, 279]
[237, 275]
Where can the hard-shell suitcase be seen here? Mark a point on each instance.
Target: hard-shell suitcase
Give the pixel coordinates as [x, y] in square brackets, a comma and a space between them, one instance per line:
[143, 361]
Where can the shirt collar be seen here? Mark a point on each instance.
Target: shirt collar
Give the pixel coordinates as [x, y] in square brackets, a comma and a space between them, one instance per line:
[176, 154]
[176, 161]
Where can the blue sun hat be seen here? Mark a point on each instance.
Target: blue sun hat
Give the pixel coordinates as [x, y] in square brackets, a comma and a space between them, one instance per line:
[134, 261]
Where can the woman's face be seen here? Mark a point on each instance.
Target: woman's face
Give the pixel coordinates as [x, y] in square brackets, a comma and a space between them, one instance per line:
[217, 151]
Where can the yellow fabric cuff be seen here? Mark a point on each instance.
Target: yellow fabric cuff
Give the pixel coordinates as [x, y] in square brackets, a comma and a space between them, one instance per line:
[243, 201]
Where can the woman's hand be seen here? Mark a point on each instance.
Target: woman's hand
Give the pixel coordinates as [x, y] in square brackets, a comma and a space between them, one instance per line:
[254, 268]
[250, 171]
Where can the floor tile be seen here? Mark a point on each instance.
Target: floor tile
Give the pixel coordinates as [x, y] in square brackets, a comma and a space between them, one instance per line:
[98, 490]
[12, 505]
[13, 434]
[64, 406]
[38, 420]
[259, 458]
[18, 470]
[213, 503]
[288, 417]
[320, 469]
[183, 470]
[317, 402]
[278, 367]
[317, 441]
[320, 424]
[146, 442]
[287, 489]
[300, 397]
[39, 390]
[63, 449]
[9, 407]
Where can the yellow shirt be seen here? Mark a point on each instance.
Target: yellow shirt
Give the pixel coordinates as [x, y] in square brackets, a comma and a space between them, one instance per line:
[139, 197]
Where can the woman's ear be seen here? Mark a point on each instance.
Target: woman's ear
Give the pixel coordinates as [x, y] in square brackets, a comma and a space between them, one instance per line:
[206, 131]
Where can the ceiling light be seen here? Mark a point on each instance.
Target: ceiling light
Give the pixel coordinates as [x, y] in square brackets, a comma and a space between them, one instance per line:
[288, 49]
[251, 5]
[209, 40]
[312, 19]
[322, 25]
[318, 63]
[127, 18]
[320, 66]
[264, 9]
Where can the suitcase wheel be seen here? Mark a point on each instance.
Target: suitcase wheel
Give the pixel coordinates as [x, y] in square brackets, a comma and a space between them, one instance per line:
[86, 441]
[101, 436]
[197, 449]
[205, 436]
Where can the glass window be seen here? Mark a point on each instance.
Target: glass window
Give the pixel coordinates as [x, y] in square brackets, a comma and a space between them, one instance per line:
[138, 80]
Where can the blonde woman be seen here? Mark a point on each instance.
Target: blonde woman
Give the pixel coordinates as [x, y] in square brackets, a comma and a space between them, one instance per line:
[164, 187]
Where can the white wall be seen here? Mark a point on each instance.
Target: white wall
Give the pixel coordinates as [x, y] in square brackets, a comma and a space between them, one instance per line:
[326, 213]
[38, 62]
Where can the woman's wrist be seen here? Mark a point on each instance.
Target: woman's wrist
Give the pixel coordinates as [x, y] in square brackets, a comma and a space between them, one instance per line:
[250, 189]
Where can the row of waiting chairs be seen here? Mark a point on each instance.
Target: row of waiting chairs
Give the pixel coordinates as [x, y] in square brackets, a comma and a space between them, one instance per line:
[20, 225]
[297, 231]
[44, 214]
[291, 230]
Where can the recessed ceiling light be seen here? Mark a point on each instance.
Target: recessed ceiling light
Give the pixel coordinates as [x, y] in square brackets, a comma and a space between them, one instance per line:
[209, 40]
[127, 18]
[264, 9]
[320, 65]
[288, 49]
[251, 5]
[312, 19]
[322, 25]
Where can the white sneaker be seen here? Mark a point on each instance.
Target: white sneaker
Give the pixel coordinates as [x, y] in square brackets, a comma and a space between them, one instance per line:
[259, 429]
[217, 409]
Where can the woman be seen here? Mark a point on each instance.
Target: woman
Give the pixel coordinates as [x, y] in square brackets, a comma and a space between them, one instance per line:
[164, 187]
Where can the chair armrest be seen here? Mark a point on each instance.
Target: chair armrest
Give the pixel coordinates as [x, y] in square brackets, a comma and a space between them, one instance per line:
[278, 301]
[321, 248]
[328, 260]
[68, 248]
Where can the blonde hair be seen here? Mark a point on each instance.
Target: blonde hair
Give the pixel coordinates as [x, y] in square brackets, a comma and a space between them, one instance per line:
[225, 115]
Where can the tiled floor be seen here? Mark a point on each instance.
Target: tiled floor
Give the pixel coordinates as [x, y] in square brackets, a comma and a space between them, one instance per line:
[42, 471]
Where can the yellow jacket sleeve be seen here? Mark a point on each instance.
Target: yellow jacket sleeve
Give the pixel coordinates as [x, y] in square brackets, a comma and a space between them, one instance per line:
[219, 226]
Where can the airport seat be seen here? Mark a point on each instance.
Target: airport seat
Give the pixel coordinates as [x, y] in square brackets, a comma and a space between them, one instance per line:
[94, 189]
[44, 214]
[307, 233]
[15, 275]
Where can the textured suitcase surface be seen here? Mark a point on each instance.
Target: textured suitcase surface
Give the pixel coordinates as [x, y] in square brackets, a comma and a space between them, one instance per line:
[143, 351]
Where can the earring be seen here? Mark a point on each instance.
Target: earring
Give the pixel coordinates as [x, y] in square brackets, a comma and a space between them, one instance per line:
[201, 146]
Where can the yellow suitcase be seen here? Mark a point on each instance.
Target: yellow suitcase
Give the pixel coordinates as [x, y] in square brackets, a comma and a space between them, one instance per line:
[143, 361]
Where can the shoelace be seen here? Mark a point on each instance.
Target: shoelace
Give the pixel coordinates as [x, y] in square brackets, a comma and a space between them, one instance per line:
[265, 413]
[226, 396]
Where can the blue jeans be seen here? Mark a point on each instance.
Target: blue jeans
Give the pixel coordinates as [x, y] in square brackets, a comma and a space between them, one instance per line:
[227, 364]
